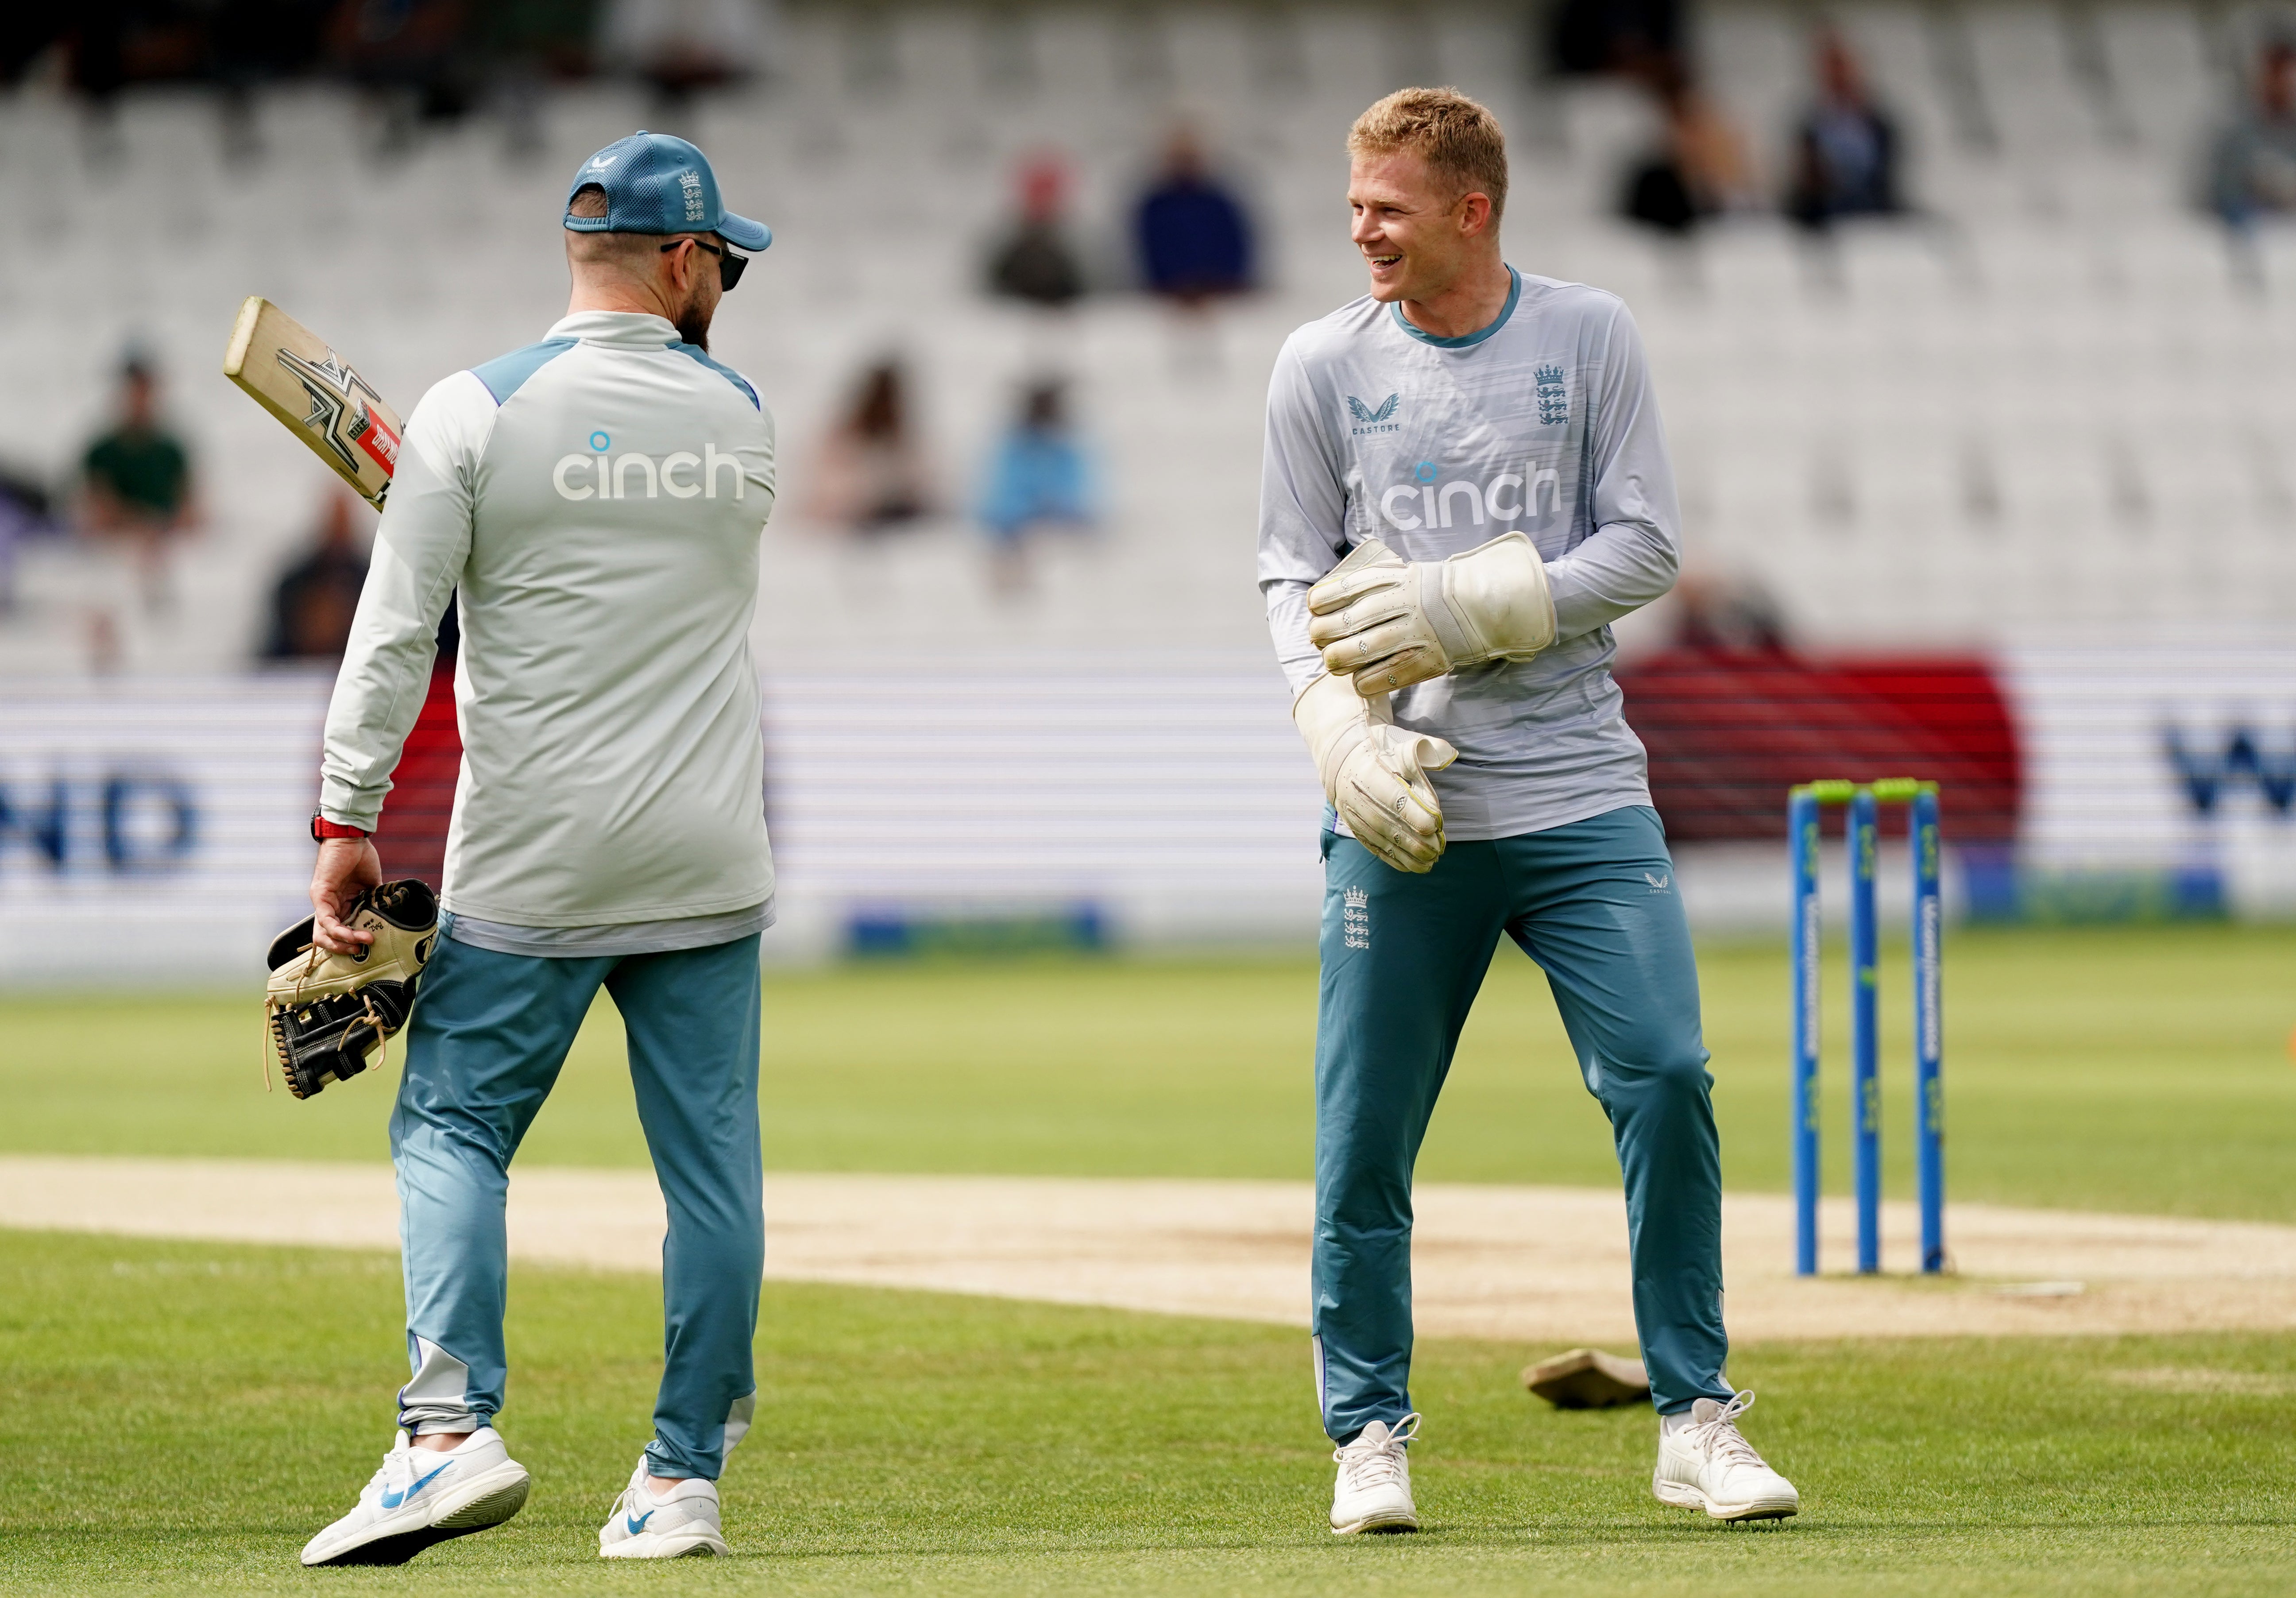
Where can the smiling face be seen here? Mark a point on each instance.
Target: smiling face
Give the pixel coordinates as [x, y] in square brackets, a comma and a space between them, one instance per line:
[1417, 232]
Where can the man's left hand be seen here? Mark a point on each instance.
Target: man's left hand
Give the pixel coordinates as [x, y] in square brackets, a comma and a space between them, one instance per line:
[1388, 622]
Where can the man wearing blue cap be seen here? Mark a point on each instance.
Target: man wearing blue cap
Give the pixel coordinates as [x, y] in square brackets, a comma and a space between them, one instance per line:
[596, 500]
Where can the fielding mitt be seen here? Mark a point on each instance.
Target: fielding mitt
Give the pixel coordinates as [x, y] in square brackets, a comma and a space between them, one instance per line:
[328, 1012]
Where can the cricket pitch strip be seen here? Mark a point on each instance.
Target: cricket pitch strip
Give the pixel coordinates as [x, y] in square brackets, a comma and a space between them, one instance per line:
[1540, 1264]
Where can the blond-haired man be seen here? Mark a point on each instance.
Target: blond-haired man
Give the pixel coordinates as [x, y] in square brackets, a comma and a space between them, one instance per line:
[1465, 483]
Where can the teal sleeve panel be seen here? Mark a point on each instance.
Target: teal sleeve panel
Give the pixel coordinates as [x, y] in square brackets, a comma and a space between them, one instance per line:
[740, 385]
[1595, 903]
[506, 374]
[487, 1037]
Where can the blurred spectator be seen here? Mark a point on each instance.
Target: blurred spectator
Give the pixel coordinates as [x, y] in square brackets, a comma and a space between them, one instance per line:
[99, 69]
[405, 54]
[872, 476]
[137, 481]
[1034, 261]
[682, 46]
[311, 608]
[1846, 148]
[1194, 240]
[1700, 170]
[251, 43]
[23, 516]
[1039, 478]
[1597, 37]
[2253, 172]
[1736, 618]
[25, 37]
[526, 44]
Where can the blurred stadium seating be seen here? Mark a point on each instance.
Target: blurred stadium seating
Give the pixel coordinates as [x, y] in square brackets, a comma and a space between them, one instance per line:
[2055, 406]
[2054, 400]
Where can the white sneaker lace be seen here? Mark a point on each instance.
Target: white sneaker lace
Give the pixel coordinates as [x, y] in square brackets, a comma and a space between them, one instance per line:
[396, 1468]
[1720, 1440]
[1364, 1465]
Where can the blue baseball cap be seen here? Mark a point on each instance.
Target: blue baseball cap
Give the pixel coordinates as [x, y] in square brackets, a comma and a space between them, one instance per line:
[657, 184]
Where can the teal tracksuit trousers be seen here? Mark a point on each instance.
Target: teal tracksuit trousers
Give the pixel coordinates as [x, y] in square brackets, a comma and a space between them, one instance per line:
[1594, 903]
[483, 1049]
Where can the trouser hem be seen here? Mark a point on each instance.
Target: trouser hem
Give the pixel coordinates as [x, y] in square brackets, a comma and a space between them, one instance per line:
[441, 1428]
[664, 1461]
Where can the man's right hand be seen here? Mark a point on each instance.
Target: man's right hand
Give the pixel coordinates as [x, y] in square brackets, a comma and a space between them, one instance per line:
[345, 867]
[1374, 773]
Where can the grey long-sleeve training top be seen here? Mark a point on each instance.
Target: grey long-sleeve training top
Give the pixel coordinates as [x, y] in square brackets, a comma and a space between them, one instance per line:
[1543, 422]
[597, 498]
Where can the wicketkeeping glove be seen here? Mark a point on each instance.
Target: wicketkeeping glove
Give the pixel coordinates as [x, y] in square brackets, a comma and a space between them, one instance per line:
[328, 1012]
[1390, 622]
[1374, 773]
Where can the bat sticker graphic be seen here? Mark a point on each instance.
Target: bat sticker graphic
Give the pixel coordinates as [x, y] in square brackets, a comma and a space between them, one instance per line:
[342, 410]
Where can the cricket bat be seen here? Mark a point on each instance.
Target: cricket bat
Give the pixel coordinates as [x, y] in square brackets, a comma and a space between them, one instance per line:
[293, 375]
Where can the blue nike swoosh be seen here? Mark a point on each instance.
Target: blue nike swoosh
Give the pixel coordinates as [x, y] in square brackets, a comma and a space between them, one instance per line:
[637, 1523]
[392, 1500]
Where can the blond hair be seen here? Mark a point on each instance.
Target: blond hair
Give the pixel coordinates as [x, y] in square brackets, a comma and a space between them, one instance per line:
[1457, 137]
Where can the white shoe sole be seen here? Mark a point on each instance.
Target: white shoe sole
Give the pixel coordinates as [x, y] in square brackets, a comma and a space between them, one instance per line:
[1681, 1495]
[1380, 1520]
[484, 1500]
[695, 1543]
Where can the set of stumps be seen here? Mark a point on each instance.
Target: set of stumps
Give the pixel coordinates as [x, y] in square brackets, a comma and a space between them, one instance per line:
[1805, 806]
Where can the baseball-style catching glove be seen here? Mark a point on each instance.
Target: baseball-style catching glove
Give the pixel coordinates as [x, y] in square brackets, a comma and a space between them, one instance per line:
[328, 1012]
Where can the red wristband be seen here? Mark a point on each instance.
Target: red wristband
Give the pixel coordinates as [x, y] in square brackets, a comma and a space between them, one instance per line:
[321, 829]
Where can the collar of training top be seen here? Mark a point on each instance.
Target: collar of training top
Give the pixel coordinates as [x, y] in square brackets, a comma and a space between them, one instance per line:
[1464, 341]
[658, 183]
[639, 330]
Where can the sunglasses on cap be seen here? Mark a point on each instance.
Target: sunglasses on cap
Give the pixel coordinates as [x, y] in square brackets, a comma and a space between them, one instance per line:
[730, 266]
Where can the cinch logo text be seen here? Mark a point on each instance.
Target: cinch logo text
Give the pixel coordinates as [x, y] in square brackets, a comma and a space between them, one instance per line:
[609, 476]
[1509, 496]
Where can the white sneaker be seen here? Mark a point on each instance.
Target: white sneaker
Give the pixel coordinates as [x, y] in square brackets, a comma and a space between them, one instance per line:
[1706, 1465]
[419, 1498]
[672, 1525]
[1373, 1491]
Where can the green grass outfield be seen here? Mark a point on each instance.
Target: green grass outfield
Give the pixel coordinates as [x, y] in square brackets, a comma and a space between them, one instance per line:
[180, 1417]
[2141, 1069]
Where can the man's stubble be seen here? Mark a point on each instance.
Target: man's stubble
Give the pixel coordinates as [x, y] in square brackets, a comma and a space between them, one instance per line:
[693, 322]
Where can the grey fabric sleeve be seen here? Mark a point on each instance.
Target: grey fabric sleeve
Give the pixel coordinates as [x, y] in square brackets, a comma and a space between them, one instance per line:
[1303, 515]
[420, 548]
[1633, 555]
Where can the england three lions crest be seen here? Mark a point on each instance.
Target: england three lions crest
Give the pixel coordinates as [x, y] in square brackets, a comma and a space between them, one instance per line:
[1554, 397]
